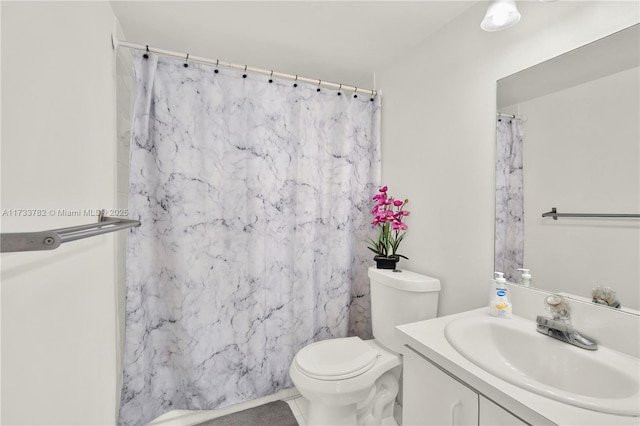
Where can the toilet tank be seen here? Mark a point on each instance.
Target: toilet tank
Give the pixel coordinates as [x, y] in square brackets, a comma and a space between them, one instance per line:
[400, 297]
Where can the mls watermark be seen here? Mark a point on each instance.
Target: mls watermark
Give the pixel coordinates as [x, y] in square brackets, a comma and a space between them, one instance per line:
[63, 212]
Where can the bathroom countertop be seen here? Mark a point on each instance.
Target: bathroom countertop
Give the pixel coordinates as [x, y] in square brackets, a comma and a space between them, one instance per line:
[428, 338]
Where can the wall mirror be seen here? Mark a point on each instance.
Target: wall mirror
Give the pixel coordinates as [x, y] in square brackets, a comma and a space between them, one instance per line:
[569, 138]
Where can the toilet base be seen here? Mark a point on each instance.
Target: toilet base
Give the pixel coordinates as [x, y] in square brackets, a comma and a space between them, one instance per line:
[376, 409]
[342, 416]
[321, 415]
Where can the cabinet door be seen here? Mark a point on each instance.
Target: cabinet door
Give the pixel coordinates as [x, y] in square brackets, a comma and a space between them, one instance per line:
[494, 415]
[432, 397]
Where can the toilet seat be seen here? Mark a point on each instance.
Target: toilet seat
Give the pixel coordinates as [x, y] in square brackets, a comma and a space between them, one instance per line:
[336, 359]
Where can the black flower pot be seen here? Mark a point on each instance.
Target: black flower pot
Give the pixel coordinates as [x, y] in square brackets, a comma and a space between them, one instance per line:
[384, 262]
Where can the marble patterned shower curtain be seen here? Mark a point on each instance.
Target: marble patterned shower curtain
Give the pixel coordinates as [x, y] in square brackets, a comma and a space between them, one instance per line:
[254, 199]
[509, 232]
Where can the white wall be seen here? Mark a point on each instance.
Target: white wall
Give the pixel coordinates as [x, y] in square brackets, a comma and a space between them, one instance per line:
[58, 152]
[582, 154]
[439, 132]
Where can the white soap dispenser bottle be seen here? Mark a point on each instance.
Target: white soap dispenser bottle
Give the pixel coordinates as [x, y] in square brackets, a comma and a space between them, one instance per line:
[526, 277]
[499, 305]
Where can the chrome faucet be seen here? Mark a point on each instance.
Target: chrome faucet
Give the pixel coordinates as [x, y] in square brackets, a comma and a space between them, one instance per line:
[559, 327]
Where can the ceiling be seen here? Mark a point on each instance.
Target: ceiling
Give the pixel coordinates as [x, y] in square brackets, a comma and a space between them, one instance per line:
[339, 41]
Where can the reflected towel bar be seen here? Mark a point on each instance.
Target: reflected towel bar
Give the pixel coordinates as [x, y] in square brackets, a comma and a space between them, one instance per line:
[49, 240]
[555, 215]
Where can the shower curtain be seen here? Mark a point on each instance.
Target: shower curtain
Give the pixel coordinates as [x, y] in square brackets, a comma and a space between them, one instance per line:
[254, 198]
[509, 227]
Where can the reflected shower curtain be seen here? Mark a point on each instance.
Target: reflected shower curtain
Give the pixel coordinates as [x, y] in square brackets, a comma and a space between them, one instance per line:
[254, 199]
[509, 237]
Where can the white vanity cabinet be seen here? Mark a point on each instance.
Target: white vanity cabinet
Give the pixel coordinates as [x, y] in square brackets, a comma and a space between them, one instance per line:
[433, 397]
[492, 414]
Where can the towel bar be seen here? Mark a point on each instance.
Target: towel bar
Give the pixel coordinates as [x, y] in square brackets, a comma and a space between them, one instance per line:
[51, 239]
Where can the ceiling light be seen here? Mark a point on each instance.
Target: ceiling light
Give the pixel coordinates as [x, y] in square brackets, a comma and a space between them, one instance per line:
[501, 14]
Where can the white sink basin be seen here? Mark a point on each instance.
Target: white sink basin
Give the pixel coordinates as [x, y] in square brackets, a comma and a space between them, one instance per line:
[511, 349]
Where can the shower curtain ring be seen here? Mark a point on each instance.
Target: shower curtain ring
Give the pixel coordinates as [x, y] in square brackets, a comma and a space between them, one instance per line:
[245, 72]
[186, 65]
[319, 83]
[146, 55]
[339, 88]
[271, 77]
[216, 70]
[355, 93]
[295, 82]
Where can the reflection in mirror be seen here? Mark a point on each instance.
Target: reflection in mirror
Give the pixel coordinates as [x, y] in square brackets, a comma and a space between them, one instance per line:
[569, 138]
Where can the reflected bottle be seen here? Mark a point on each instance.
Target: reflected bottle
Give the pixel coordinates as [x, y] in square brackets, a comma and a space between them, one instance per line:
[526, 277]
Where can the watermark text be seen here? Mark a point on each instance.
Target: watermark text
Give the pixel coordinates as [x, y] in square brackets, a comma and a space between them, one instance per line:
[63, 212]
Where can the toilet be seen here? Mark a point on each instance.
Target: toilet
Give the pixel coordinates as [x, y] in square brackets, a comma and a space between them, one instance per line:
[350, 381]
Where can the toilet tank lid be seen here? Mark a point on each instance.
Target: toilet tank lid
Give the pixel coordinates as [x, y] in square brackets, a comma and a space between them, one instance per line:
[404, 280]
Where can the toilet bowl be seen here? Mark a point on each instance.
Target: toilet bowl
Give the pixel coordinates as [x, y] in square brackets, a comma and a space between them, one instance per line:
[350, 381]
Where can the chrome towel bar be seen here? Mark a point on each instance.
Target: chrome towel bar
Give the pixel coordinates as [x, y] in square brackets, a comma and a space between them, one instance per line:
[49, 240]
[555, 215]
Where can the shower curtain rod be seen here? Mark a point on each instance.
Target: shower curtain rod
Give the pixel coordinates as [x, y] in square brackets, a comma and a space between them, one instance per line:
[501, 115]
[188, 57]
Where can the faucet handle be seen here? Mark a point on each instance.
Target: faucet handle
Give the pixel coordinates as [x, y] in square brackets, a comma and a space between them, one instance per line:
[544, 323]
[558, 307]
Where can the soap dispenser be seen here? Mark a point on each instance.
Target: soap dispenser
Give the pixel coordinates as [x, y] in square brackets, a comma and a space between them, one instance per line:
[526, 277]
[499, 304]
